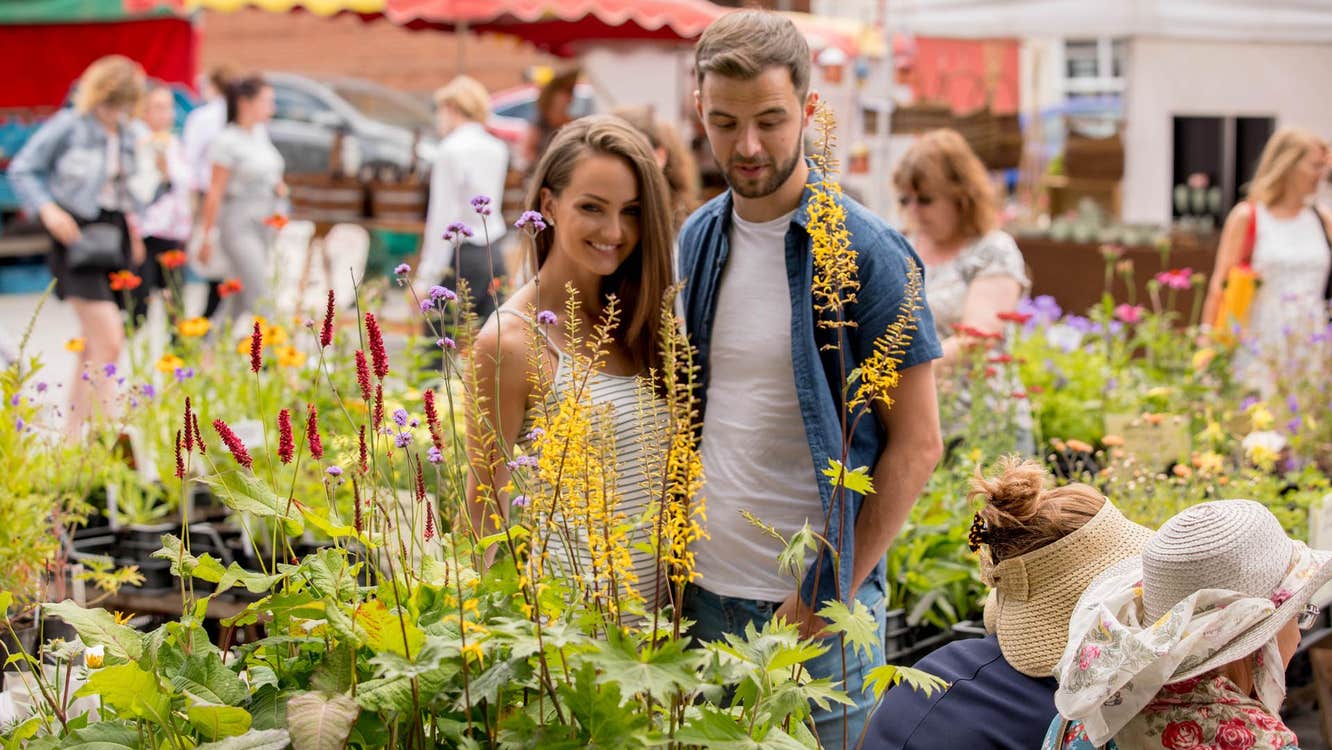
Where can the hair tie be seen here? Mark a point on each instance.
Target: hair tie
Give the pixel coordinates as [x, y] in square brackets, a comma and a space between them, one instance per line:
[979, 534]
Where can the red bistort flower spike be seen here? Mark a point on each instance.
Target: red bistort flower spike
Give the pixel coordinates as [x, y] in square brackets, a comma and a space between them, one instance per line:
[189, 434]
[432, 419]
[358, 519]
[233, 444]
[378, 355]
[365, 454]
[312, 432]
[180, 460]
[286, 444]
[198, 436]
[379, 406]
[363, 375]
[420, 482]
[326, 333]
[430, 524]
[256, 348]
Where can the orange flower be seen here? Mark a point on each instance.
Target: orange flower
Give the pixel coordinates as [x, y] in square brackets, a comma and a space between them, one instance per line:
[172, 259]
[229, 287]
[276, 221]
[124, 281]
[192, 327]
[1079, 446]
[1112, 441]
[74, 345]
[1153, 419]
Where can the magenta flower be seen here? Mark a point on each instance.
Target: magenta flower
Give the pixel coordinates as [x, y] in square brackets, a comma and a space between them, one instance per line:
[531, 221]
[326, 333]
[1130, 313]
[457, 231]
[233, 443]
[378, 354]
[446, 343]
[1178, 279]
[312, 432]
[286, 443]
[402, 269]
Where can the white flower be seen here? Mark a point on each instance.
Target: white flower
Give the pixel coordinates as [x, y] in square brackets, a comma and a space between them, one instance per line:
[1267, 439]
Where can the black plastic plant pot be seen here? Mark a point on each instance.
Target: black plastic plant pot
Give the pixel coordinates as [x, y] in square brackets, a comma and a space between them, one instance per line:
[969, 629]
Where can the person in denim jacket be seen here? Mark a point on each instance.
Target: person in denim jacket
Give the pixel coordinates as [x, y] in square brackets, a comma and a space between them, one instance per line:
[73, 172]
[770, 394]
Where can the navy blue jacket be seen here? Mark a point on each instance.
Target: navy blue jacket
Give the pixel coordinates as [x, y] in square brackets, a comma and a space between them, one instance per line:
[989, 705]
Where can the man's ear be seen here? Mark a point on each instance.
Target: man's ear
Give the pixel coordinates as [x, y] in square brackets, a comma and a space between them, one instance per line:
[811, 106]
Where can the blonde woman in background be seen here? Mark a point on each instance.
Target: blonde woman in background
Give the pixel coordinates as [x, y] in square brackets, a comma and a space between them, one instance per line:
[72, 174]
[1290, 254]
[470, 162]
[161, 182]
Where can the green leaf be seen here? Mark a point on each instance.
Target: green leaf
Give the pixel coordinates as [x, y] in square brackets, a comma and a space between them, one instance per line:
[331, 575]
[791, 561]
[856, 480]
[244, 492]
[269, 708]
[207, 678]
[386, 631]
[130, 690]
[515, 532]
[6, 599]
[217, 722]
[660, 672]
[103, 736]
[597, 707]
[320, 721]
[96, 627]
[321, 523]
[334, 673]
[858, 625]
[391, 695]
[881, 678]
[716, 729]
[266, 739]
[206, 568]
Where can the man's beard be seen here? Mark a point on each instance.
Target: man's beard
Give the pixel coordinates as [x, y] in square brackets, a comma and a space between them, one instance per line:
[780, 174]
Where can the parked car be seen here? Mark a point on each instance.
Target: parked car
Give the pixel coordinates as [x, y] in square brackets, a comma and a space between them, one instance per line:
[385, 132]
[513, 111]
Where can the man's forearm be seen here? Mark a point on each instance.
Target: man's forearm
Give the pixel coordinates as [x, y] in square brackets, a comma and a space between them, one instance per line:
[900, 474]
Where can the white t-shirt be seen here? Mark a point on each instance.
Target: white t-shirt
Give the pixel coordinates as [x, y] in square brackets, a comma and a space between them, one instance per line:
[755, 451]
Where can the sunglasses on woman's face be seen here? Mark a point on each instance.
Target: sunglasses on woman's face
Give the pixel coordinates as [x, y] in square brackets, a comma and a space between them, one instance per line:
[923, 201]
[1308, 617]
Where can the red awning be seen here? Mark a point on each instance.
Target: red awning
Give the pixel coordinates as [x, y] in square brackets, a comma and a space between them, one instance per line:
[558, 25]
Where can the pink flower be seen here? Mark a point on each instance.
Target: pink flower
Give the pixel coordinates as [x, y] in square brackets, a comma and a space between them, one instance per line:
[326, 332]
[233, 443]
[1179, 278]
[1130, 313]
[1281, 596]
[1263, 720]
[1087, 655]
[1182, 735]
[312, 433]
[256, 348]
[378, 355]
[286, 444]
[1233, 734]
[363, 376]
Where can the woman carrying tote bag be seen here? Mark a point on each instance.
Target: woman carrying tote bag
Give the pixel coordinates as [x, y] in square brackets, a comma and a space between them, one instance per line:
[72, 174]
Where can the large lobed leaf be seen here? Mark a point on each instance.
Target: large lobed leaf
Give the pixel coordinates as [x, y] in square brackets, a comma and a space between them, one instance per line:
[320, 721]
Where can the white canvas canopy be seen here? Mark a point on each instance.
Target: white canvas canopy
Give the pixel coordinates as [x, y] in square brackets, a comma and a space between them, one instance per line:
[1214, 20]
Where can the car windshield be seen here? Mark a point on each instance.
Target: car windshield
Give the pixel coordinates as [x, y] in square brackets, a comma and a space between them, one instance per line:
[388, 106]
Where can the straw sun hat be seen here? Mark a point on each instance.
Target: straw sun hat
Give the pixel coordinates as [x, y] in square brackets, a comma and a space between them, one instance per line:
[1034, 594]
[1233, 545]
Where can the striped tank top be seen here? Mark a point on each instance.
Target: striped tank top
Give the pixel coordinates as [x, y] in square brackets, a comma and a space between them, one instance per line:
[634, 419]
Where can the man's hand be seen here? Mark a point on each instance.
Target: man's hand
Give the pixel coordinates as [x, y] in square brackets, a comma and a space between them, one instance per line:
[793, 610]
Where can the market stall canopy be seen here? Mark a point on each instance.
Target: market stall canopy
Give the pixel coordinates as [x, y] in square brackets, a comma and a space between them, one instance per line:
[854, 38]
[1223, 20]
[558, 25]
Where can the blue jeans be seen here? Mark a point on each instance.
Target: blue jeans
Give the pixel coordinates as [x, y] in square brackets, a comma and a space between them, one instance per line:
[715, 615]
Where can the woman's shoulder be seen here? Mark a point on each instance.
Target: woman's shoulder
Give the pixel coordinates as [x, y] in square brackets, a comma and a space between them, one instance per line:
[996, 243]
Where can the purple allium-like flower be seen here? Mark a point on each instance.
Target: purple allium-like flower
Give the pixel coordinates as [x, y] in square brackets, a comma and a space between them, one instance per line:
[531, 221]
[546, 318]
[536, 433]
[414, 423]
[400, 417]
[184, 373]
[434, 455]
[446, 343]
[444, 293]
[522, 461]
[1293, 426]
[481, 204]
[403, 439]
[1293, 404]
[519, 501]
[1248, 403]
[41, 387]
[402, 269]
[334, 471]
[83, 376]
[110, 369]
[15, 400]
[427, 304]
[148, 390]
[457, 231]
[19, 424]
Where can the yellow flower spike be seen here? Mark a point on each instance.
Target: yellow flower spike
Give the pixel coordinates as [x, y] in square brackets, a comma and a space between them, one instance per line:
[470, 606]
[475, 650]
[169, 363]
[74, 345]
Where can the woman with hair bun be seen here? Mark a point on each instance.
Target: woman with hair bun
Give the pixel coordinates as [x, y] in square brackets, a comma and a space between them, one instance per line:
[1039, 548]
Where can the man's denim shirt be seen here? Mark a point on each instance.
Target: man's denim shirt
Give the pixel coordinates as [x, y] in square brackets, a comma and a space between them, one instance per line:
[65, 162]
[884, 260]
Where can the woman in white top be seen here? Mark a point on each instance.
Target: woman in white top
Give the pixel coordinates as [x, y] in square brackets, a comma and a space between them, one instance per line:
[974, 271]
[1290, 256]
[608, 230]
[161, 182]
[471, 162]
[244, 194]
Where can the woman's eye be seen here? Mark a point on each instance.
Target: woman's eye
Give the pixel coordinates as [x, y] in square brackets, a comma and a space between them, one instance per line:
[591, 208]
[632, 211]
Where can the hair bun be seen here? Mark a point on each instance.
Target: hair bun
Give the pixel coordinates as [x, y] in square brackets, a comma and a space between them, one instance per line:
[1015, 490]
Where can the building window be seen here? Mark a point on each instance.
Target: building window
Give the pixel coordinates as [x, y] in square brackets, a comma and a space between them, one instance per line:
[1094, 67]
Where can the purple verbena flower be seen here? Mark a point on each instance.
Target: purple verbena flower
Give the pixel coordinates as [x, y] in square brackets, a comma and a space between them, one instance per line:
[402, 269]
[1248, 403]
[522, 461]
[184, 373]
[434, 455]
[444, 293]
[334, 471]
[414, 423]
[110, 369]
[19, 424]
[1293, 426]
[400, 417]
[456, 231]
[148, 390]
[546, 318]
[427, 304]
[531, 221]
[536, 433]
[41, 387]
[446, 343]
[16, 400]
[481, 204]
[519, 501]
[403, 439]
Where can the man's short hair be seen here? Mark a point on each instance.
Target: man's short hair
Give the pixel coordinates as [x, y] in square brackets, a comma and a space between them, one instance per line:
[745, 43]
